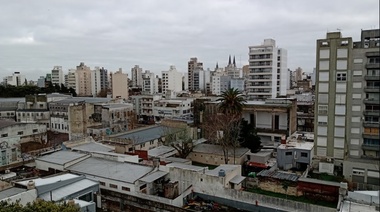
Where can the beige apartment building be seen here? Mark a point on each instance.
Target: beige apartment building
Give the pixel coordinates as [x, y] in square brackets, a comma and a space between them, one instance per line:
[120, 85]
[83, 79]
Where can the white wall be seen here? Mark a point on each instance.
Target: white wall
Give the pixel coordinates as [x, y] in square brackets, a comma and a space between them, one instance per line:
[264, 120]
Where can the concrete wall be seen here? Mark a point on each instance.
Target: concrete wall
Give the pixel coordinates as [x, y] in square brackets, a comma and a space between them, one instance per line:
[24, 197]
[212, 159]
[265, 201]
[289, 161]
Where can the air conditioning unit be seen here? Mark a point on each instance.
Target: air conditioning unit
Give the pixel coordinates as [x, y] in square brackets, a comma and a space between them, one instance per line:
[329, 160]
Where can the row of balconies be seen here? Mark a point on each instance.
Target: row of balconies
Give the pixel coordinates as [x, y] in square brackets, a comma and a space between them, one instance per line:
[372, 77]
[372, 89]
[371, 101]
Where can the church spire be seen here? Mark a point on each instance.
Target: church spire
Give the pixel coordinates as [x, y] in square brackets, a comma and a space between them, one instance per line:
[217, 65]
[234, 61]
[229, 60]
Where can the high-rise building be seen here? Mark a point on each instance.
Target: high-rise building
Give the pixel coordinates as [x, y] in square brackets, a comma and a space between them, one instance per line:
[99, 81]
[57, 76]
[150, 83]
[137, 79]
[232, 70]
[298, 74]
[200, 79]
[41, 82]
[348, 104]
[171, 80]
[192, 65]
[16, 79]
[267, 71]
[120, 85]
[70, 79]
[83, 80]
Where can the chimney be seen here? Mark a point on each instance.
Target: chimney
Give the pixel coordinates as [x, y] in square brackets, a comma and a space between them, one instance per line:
[31, 185]
[283, 139]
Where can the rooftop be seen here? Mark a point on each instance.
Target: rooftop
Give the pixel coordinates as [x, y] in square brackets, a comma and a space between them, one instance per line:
[218, 150]
[297, 145]
[6, 123]
[62, 157]
[279, 175]
[153, 176]
[93, 147]
[125, 172]
[225, 167]
[147, 134]
[10, 192]
[49, 180]
[161, 151]
[117, 105]
[186, 167]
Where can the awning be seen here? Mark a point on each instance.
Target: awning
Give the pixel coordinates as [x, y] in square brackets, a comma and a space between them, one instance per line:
[259, 165]
[154, 176]
[237, 179]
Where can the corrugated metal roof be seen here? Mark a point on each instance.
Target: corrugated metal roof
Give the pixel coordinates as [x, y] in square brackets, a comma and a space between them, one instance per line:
[92, 146]
[61, 157]
[153, 176]
[49, 180]
[279, 175]
[10, 192]
[124, 172]
[62, 192]
[160, 150]
[149, 134]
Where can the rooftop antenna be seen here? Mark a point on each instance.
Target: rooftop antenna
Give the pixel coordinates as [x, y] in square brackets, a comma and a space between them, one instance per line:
[338, 29]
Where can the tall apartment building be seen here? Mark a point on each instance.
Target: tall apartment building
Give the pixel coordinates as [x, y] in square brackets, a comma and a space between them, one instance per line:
[57, 75]
[149, 83]
[120, 85]
[200, 79]
[192, 65]
[268, 71]
[99, 81]
[171, 80]
[347, 105]
[137, 79]
[16, 79]
[83, 80]
[70, 79]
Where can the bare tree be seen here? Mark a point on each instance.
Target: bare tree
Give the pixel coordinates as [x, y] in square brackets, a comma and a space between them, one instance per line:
[180, 139]
[223, 130]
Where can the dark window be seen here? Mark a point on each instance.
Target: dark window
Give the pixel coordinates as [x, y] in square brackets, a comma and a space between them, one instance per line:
[35, 130]
[102, 183]
[113, 186]
[288, 153]
[304, 154]
[125, 188]
[4, 135]
[20, 133]
[142, 187]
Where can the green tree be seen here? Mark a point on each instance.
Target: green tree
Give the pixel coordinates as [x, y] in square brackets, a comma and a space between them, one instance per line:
[38, 206]
[248, 136]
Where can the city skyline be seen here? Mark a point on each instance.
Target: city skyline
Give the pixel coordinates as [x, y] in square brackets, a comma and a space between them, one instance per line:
[154, 35]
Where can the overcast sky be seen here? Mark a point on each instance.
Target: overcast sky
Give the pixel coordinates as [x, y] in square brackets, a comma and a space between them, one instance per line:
[37, 35]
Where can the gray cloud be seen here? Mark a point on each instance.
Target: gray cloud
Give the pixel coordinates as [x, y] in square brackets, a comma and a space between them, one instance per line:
[37, 35]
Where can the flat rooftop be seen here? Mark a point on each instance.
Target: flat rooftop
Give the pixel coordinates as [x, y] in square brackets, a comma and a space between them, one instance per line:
[225, 167]
[147, 134]
[10, 192]
[93, 147]
[304, 145]
[61, 157]
[186, 167]
[119, 171]
[161, 151]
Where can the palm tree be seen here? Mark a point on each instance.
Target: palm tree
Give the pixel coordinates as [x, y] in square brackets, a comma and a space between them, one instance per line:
[231, 102]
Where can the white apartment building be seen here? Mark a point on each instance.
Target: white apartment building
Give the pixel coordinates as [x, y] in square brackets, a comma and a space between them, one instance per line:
[16, 79]
[173, 108]
[268, 71]
[200, 79]
[143, 104]
[219, 83]
[149, 83]
[95, 81]
[57, 76]
[171, 80]
[137, 78]
[70, 79]
[120, 85]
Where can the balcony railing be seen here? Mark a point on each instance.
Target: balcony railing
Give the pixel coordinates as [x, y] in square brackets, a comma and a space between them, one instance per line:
[371, 112]
[371, 135]
[373, 147]
[371, 101]
[372, 77]
[373, 89]
[372, 65]
[371, 124]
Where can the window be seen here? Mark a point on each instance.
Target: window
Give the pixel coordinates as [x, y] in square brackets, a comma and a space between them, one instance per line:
[354, 141]
[358, 60]
[340, 120]
[4, 135]
[340, 109]
[339, 131]
[358, 73]
[125, 188]
[357, 85]
[113, 186]
[322, 109]
[304, 154]
[357, 96]
[323, 87]
[323, 98]
[341, 76]
[102, 183]
[323, 76]
[358, 171]
[341, 87]
[321, 141]
[142, 187]
[342, 52]
[341, 64]
[324, 53]
[354, 152]
[322, 130]
[339, 142]
[322, 120]
[340, 98]
[324, 65]
[355, 119]
[288, 153]
[355, 130]
[321, 151]
[20, 133]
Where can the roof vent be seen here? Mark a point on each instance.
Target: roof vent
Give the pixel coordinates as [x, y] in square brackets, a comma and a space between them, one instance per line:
[222, 173]
[30, 185]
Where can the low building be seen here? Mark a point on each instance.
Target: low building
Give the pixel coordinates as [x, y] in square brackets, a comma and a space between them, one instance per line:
[296, 152]
[14, 136]
[35, 110]
[173, 108]
[8, 107]
[59, 161]
[212, 154]
[143, 105]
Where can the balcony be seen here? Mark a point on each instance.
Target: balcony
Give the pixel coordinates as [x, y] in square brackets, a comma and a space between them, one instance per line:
[372, 89]
[371, 124]
[371, 147]
[371, 101]
[371, 112]
[372, 65]
[372, 77]
[370, 135]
